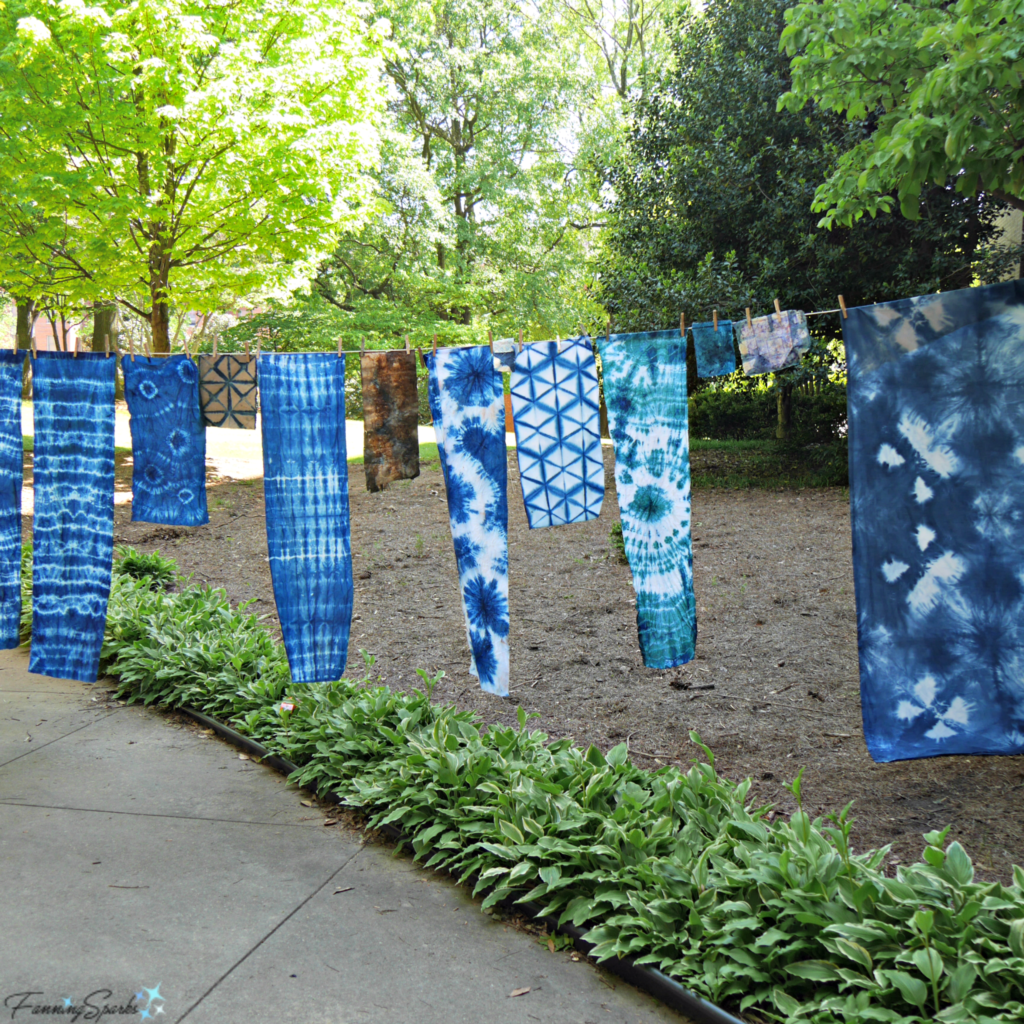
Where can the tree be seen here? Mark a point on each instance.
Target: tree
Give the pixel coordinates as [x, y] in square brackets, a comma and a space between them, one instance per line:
[181, 151]
[711, 200]
[940, 85]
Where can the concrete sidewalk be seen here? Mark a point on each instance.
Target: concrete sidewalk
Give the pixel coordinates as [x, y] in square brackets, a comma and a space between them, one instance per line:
[138, 854]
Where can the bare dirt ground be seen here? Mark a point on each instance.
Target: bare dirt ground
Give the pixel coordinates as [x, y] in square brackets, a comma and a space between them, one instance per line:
[774, 686]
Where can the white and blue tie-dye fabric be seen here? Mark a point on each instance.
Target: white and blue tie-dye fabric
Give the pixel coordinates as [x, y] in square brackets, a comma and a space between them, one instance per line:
[471, 407]
[12, 457]
[73, 531]
[556, 412]
[645, 393]
[936, 407]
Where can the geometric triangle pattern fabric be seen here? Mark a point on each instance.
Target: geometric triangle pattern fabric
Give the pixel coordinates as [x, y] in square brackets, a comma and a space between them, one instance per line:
[556, 413]
[12, 459]
[645, 393]
[936, 413]
[228, 394]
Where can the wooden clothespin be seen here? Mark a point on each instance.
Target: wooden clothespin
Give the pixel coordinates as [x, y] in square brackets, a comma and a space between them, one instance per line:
[259, 340]
[149, 355]
[35, 351]
[435, 344]
[520, 339]
[74, 351]
[750, 323]
[339, 346]
[215, 346]
[682, 325]
[714, 317]
[131, 347]
[490, 342]
[407, 348]
[106, 344]
[842, 306]
[778, 307]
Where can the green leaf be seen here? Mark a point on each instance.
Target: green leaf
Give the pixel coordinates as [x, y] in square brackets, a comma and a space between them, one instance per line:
[928, 962]
[855, 952]
[912, 989]
[958, 864]
[510, 830]
[814, 970]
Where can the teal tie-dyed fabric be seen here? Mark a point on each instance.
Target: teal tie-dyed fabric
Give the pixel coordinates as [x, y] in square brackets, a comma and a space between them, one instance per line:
[645, 392]
[73, 535]
[12, 457]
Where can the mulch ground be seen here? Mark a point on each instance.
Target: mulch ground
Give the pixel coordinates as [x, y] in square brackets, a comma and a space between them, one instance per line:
[774, 686]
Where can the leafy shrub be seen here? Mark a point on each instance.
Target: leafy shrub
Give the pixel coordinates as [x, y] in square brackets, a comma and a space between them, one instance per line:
[162, 572]
[744, 415]
[674, 867]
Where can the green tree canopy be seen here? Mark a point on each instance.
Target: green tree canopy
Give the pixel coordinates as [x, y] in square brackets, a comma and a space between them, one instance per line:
[180, 151]
[940, 84]
[712, 198]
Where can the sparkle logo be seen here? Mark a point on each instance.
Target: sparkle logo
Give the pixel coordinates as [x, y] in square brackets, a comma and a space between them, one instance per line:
[154, 1003]
[101, 1003]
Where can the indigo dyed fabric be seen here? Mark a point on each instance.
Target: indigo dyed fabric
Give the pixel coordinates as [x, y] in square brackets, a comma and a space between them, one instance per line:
[168, 440]
[645, 394]
[716, 354]
[228, 394]
[73, 531]
[11, 475]
[471, 407]
[774, 342]
[936, 414]
[391, 444]
[306, 486]
[556, 413]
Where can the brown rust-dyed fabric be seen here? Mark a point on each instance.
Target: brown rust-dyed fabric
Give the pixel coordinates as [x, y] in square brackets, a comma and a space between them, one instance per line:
[391, 449]
[227, 391]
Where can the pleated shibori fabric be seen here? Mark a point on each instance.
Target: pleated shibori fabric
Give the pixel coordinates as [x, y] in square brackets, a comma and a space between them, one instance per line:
[391, 445]
[470, 404]
[12, 461]
[936, 413]
[645, 394]
[556, 413]
[306, 489]
[73, 532]
[168, 440]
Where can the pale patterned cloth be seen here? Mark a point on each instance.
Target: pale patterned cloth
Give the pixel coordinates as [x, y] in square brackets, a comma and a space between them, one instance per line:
[469, 417]
[645, 392]
[773, 342]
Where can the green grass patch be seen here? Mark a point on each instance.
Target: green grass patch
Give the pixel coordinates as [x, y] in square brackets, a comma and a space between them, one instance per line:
[778, 919]
[767, 464]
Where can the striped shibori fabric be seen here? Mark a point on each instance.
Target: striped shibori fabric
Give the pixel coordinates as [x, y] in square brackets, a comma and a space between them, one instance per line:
[168, 440]
[12, 459]
[470, 404]
[556, 413]
[306, 488]
[228, 394]
[73, 533]
[391, 445]
[645, 393]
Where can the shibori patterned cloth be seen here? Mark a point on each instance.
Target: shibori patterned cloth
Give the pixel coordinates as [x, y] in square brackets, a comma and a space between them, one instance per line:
[936, 413]
[73, 532]
[308, 530]
[714, 349]
[556, 412]
[12, 457]
[774, 342]
[228, 393]
[471, 413]
[391, 446]
[645, 394]
[168, 440]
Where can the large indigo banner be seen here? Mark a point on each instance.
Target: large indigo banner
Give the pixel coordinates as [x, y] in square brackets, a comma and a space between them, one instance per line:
[470, 405]
[73, 531]
[305, 467]
[936, 413]
[12, 458]
[168, 440]
[556, 413]
[645, 393]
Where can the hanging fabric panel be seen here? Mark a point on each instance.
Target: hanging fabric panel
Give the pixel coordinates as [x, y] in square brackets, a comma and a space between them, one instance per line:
[645, 394]
[228, 394]
[391, 446]
[556, 412]
[12, 459]
[715, 351]
[73, 531]
[168, 440]
[936, 413]
[306, 488]
[770, 343]
[471, 412]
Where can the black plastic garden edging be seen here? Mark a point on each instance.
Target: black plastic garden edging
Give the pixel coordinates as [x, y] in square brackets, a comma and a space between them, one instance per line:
[648, 979]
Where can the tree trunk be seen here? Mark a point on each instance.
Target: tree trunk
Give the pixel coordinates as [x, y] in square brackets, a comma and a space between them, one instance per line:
[26, 321]
[159, 323]
[104, 325]
[785, 407]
